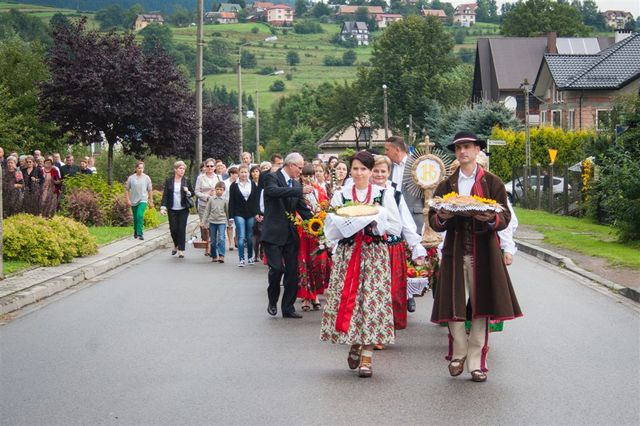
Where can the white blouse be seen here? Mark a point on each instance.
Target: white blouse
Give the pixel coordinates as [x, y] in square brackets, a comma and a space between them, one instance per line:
[388, 219]
[245, 189]
[413, 239]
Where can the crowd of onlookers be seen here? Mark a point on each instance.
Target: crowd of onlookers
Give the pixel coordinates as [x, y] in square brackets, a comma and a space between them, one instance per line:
[32, 183]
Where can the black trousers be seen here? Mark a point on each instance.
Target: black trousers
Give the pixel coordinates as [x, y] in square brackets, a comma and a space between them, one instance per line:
[283, 260]
[178, 227]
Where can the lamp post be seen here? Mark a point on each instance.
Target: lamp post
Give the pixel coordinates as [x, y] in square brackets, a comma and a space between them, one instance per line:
[386, 118]
[257, 128]
[199, 80]
[240, 99]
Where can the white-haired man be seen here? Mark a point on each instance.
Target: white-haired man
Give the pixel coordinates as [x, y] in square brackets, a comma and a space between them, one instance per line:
[283, 196]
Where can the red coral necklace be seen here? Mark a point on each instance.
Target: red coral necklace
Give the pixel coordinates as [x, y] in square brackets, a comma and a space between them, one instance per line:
[367, 199]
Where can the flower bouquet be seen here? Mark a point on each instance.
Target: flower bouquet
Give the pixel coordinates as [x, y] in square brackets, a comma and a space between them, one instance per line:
[465, 205]
[420, 278]
[314, 227]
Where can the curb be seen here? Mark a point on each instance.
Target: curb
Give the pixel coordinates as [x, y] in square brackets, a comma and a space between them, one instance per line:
[568, 264]
[51, 286]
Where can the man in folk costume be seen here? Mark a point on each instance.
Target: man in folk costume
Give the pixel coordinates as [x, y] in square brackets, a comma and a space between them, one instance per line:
[473, 280]
[401, 163]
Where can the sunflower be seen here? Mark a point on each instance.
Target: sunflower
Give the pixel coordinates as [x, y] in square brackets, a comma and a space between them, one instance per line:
[322, 215]
[449, 195]
[314, 227]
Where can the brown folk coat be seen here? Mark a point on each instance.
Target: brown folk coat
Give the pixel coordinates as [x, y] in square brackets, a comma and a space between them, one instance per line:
[494, 295]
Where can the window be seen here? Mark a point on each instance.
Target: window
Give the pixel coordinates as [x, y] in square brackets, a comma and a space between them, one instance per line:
[557, 94]
[543, 118]
[556, 118]
[571, 119]
[602, 119]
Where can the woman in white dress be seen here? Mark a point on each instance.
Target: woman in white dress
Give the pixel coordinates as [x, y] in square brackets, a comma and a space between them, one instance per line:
[358, 310]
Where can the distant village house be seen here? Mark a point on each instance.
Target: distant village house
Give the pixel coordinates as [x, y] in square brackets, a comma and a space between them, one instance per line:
[438, 13]
[383, 20]
[220, 18]
[145, 19]
[617, 19]
[280, 15]
[357, 31]
[465, 14]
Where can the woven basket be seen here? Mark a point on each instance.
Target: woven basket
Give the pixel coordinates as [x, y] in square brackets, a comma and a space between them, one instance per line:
[200, 244]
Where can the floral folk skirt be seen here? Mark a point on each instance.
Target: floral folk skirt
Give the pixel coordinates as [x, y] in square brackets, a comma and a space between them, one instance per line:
[372, 317]
[398, 256]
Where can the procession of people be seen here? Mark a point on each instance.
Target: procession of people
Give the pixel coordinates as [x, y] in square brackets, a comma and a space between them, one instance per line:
[348, 232]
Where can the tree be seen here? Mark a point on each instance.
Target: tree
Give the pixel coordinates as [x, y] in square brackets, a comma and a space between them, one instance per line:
[113, 16]
[409, 57]
[219, 132]
[535, 17]
[221, 51]
[349, 58]
[58, 19]
[303, 140]
[131, 14]
[362, 14]
[301, 8]
[27, 27]
[590, 14]
[248, 59]
[104, 89]
[181, 17]
[487, 11]
[277, 86]
[156, 36]
[22, 69]
[293, 58]
[320, 9]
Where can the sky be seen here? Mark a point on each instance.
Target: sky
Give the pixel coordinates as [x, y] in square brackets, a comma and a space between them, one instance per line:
[632, 6]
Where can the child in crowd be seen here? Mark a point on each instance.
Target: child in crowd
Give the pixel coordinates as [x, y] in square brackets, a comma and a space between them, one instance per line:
[217, 215]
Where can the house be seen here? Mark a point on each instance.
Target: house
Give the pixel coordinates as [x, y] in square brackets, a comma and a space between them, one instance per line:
[280, 15]
[577, 91]
[465, 14]
[146, 19]
[438, 13]
[355, 30]
[502, 65]
[230, 8]
[617, 19]
[346, 10]
[336, 140]
[383, 20]
[220, 18]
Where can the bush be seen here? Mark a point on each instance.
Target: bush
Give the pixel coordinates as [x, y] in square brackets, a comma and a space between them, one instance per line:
[266, 71]
[307, 27]
[349, 58]
[332, 61]
[459, 36]
[120, 213]
[151, 218]
[255, 30]
[467, 55]
[98, 185]
[289, 76]
[82, 205]
[46, 242]
[277, 86]
[293, 57]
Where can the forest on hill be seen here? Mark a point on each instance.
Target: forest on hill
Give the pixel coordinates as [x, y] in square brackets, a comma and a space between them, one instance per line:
[94, 5]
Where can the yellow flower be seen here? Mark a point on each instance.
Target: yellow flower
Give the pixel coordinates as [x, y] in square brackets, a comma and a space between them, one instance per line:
[322, 215]
[297, 221]
[314, 227]
[484, 200]
[449, 195]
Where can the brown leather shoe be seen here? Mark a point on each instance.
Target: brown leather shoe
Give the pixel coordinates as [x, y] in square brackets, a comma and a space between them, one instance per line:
[456, 366]
[353, 359]
[365, 369]
[478, 376]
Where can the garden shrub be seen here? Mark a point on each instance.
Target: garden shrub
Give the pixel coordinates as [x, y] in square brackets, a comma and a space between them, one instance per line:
[98, 185]
[151, 218]
[120, 213]
[83, 206]
[277, 86]
[46, 242]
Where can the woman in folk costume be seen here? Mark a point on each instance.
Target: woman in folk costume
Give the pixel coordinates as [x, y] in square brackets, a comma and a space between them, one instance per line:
[474, 281]
[358, 310]
[396, 243]
[314, 268]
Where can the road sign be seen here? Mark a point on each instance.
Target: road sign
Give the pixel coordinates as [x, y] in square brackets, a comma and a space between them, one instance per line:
[552, 155]
[497, 142]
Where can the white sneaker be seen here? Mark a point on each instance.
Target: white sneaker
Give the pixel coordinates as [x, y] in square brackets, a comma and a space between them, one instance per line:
[241, 263]
[250, 262]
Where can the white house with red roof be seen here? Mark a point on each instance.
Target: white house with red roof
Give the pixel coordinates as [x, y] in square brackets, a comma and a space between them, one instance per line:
[280, 15]
[465, 14]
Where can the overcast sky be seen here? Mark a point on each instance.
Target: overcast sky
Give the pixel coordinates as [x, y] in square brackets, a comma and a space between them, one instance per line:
[632, 6]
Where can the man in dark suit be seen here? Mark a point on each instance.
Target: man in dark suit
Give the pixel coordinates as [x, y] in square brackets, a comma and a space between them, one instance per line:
[283, 195]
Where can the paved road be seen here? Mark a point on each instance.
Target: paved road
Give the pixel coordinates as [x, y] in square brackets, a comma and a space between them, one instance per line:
[164, 341]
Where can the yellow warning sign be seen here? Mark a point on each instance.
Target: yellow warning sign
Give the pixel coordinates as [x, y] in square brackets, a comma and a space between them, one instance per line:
[552, 154]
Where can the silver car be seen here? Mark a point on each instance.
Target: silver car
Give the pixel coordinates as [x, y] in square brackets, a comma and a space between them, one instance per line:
[558, 186]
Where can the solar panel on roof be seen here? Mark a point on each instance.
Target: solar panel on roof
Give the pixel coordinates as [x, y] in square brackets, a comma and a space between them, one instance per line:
[577, 46]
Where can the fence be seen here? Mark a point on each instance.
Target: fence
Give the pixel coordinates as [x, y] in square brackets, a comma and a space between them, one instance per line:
[554, 189]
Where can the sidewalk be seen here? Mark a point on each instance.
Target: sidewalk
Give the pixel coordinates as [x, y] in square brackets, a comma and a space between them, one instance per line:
[622, 280]
[38, 283]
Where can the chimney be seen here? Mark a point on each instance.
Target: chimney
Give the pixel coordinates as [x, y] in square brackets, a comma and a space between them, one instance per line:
[622, 34]
[551, 42]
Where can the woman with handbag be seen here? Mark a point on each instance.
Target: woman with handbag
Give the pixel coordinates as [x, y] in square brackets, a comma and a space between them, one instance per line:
[176, 200]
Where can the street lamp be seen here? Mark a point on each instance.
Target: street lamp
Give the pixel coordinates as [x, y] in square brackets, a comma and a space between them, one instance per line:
[386, 118]
[199, 81]
[240, 98]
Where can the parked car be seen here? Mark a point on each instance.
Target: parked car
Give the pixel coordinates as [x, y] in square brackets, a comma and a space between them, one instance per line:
[558, 186]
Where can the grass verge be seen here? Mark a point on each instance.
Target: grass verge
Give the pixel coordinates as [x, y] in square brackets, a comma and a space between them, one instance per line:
[583, 236]
[11, 266]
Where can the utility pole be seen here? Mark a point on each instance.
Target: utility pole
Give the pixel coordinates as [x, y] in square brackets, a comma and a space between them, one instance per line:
[257, 129]
[527, 140]
[199, 80]
[240, 100]
[1, 227]
[386, 117]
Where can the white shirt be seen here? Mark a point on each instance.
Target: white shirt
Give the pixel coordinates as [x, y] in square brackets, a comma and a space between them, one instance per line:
[506, 235]
[227, 185]
[286, 176]
[245, 188]
[413, 239]
[398, 173]
[177, 196]
[465, 183]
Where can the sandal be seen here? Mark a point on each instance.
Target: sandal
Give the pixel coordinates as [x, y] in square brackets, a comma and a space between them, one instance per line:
[478, 376]
[215, 259]
[456, 366]
[221, 259]
[316, 306]
[365, 369]
[378, 347]
[306, 306]
[353, 359]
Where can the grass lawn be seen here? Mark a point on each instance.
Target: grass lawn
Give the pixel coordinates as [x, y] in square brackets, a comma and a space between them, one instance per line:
[11, 266]
[583, 236]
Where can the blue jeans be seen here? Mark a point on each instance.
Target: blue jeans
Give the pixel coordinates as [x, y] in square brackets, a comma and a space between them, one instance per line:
[244, 231]
[217, 237]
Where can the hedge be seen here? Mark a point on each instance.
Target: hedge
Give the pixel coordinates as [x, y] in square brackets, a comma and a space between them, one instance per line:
[47, 242]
